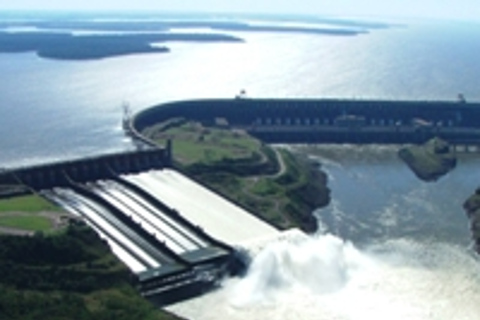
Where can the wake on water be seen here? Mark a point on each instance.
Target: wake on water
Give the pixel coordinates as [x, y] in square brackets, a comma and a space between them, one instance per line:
[323, 277]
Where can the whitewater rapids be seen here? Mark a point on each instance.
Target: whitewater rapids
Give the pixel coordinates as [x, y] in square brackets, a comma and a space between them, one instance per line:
[323, 277]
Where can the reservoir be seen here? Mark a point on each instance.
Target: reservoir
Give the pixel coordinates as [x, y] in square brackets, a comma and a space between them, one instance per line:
[52, 110]
[389, 246]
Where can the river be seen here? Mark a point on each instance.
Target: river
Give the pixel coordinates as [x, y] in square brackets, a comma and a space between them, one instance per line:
[389, 247]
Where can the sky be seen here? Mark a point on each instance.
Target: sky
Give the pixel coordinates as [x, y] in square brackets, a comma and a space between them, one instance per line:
[451, 9]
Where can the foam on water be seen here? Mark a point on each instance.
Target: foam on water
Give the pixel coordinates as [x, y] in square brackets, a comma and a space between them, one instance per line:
[324, 277]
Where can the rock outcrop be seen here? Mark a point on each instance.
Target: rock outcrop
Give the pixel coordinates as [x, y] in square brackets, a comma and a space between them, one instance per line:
[472, 208]
[429, 161]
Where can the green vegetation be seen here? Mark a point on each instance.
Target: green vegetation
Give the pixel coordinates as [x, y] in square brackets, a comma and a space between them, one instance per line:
[196, 144]
[30, 213]
[26, 222]
[66, 46]
[69, 275]
[30, 203]
[277, 186]
[429, 161]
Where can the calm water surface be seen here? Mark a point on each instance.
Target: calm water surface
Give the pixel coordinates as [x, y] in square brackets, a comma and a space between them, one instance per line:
[66, 109]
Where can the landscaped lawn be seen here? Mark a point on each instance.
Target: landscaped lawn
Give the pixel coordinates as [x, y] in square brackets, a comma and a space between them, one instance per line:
[30, 203]
[193, 143]
[26, 222]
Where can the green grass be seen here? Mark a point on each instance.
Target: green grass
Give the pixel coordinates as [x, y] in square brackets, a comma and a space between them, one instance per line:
[193, 143]
[267, 187]
[31, 203]
[26, 222]
[194, 152]
[204, 152]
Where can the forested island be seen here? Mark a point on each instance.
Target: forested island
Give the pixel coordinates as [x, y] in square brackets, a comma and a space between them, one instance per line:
[66, 46]
[83, 39]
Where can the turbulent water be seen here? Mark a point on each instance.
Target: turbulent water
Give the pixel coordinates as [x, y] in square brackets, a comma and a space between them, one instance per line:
[325, 278]
[376, 197]
[389, 247]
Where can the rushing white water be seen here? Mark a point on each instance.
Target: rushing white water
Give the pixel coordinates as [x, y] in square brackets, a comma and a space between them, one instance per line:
[220, 218]
[323, 277]
[410, 258]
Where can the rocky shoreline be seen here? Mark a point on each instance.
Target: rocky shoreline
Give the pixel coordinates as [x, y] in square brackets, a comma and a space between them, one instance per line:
[472, 209]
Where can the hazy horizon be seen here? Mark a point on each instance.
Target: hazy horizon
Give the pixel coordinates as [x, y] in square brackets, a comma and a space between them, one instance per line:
[447, 9]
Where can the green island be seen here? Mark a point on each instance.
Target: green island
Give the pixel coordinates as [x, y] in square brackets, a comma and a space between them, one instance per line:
[57, 40]
[275, 184]
[429, 161]
[52, 270]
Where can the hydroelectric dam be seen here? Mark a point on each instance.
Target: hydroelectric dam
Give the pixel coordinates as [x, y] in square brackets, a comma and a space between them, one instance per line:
[329, 120]
[180, 237]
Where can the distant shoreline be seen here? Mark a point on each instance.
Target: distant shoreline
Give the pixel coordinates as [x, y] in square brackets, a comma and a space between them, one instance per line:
[56, 39]
[64, 46]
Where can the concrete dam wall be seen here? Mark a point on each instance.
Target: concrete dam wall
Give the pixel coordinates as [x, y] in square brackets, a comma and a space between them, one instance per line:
[329, 120]
[88, 169]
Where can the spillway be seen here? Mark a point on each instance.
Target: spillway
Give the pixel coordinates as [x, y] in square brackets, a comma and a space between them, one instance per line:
[175, 234]
[214, 214]
[129, 252]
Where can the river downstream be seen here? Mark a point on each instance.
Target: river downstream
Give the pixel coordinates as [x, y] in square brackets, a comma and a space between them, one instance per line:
[376, 197]
[389, 247]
